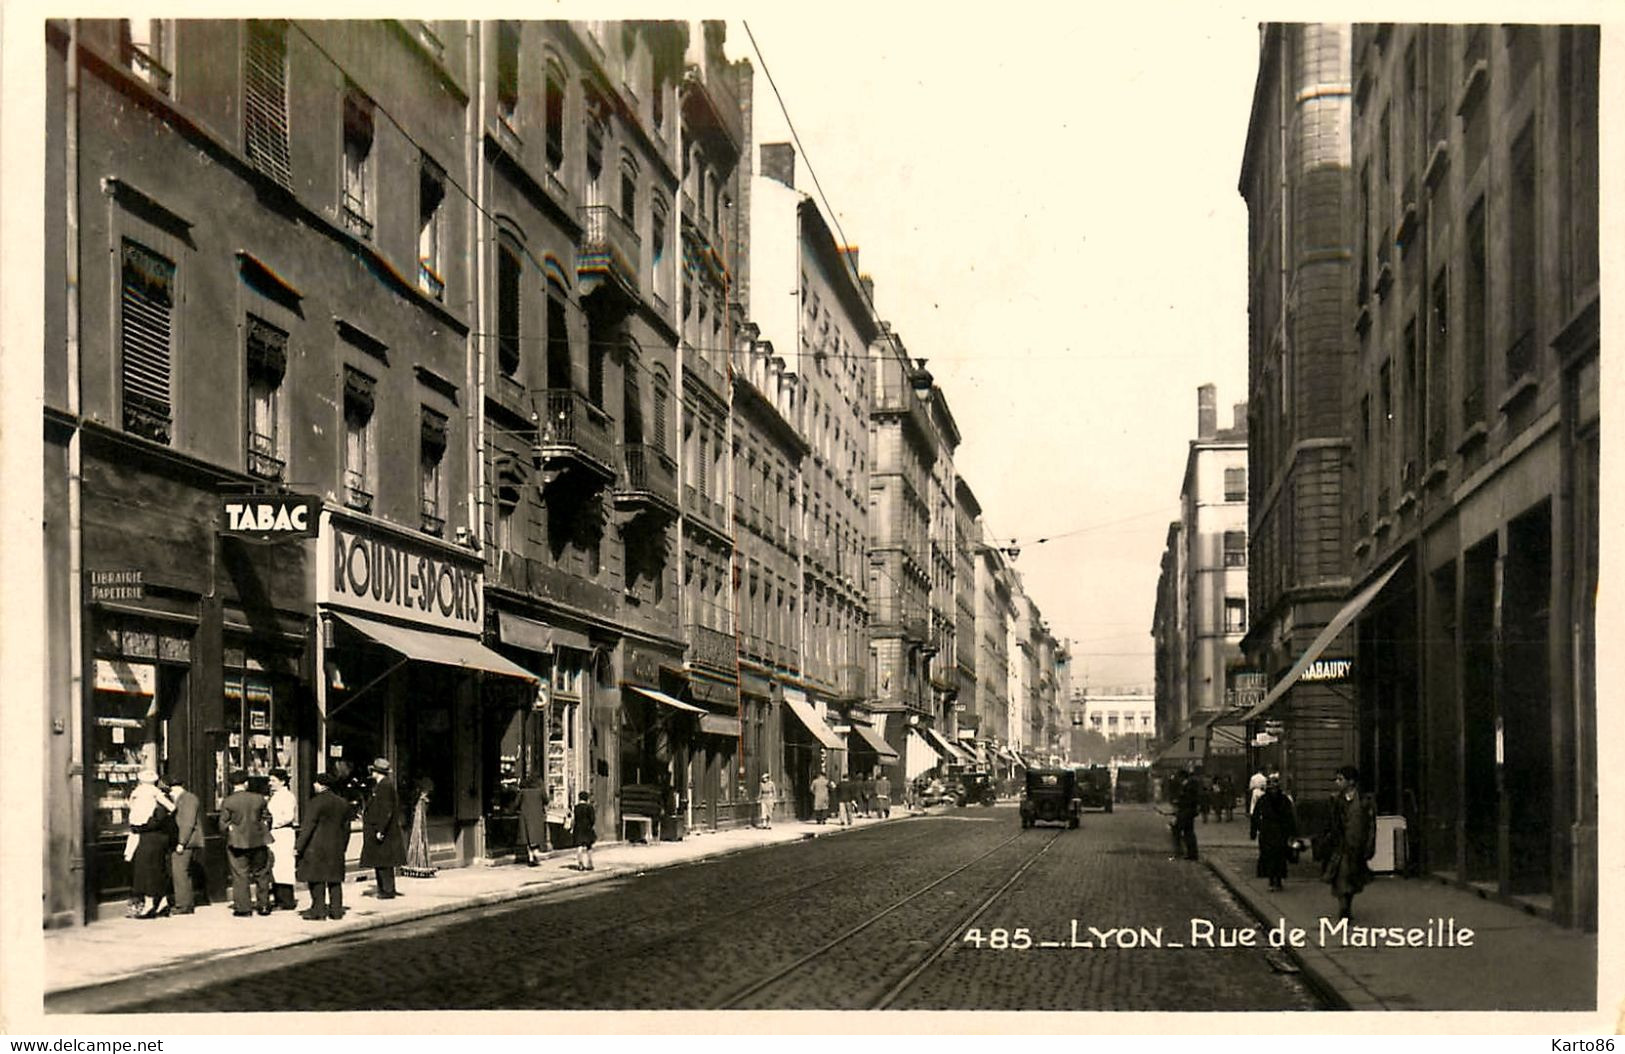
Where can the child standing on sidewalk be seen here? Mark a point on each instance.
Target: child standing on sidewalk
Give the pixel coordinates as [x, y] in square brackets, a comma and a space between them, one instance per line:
[584, 828]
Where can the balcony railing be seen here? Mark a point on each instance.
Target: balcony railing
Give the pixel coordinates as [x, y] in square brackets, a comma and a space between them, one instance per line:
[648, 476]
[356, 494]
[262, 459]
[430, 519]
[610, 247]
[710, 647]
[573, 428]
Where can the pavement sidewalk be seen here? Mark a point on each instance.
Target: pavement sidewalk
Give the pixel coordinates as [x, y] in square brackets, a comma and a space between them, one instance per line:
[81, 960]
[1517, 961]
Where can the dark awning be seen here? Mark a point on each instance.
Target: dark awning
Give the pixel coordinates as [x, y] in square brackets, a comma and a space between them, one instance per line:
[870, 739]
[719, 725]
[1339, 622]
[443, 648]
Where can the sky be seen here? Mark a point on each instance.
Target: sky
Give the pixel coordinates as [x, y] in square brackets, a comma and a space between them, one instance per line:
[1048, 208]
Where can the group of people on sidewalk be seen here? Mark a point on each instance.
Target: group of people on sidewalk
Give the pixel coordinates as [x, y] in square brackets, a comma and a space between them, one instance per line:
[849, 797]
[269, 848]
[1343, 848]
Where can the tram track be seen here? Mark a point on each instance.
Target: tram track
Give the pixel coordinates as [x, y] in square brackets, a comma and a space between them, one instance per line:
[945, 939]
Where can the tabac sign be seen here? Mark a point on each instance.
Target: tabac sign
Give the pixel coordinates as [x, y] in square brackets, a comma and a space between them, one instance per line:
[268, 517]
[365, 569]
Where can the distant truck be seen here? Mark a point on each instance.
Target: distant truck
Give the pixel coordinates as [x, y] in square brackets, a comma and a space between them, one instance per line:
[1134, 784]
[1095, 787]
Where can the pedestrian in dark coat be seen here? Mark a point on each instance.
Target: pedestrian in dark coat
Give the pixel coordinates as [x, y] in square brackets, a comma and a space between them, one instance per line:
[246, 819]
[1187, 805]
[151, 810]
[324, 835]
[188, 845]
[383, 848]
[532, 819]
[584, 831]
[1277, 823]
[1350, 840]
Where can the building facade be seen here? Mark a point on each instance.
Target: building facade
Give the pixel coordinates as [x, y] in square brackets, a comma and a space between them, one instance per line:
[1298, 182]
[1474, 411]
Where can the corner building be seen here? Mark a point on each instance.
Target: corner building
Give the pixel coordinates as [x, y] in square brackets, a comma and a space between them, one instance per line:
[1474, 412]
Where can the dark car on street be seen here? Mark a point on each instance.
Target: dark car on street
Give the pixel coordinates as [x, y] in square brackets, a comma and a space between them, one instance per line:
[1095, 787]
[1050, 796]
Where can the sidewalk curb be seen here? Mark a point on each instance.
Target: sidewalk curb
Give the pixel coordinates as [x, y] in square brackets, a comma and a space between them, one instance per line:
[1320, 972]
[370, 923]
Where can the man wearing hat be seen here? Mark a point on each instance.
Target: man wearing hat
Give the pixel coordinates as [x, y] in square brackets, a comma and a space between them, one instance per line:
[319, 849]
[383, 848]
[247, 823]
[188, 844]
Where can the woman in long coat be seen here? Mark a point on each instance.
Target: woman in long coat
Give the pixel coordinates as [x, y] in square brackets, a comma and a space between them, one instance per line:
[323, 837]
[1277, 825]
[532, 835]
[1350, 839]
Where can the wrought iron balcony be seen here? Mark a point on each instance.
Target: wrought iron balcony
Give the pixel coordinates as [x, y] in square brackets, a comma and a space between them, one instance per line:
[262, 459]
[648, 480]
[610, 248]
[572, 431]
[710, 647]
[356, 494]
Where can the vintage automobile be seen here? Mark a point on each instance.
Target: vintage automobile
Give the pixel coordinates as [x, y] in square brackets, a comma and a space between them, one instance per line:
[975, 788]
[1095, 787]
[1050, 796]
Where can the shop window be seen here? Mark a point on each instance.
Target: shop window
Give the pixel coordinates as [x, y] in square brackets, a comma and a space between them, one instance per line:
[267, 357]
[137, 693]
[358, 416]
[431, 453]
[146, 302]
[357, 193]
[431, 195]
[259, 722]
[148, 49]
[265, 100]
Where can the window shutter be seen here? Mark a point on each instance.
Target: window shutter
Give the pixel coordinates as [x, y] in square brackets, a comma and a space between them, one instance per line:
[265, 101]
[148, 297]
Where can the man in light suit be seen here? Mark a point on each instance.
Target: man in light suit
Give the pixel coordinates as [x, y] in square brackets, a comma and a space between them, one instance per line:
[188, 844]
[247, 823]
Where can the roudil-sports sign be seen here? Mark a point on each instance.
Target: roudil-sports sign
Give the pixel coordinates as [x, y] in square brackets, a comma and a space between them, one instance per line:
[365, 569]
[272, 517]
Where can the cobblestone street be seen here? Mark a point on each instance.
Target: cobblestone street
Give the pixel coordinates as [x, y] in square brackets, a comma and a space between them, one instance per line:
[727, 934]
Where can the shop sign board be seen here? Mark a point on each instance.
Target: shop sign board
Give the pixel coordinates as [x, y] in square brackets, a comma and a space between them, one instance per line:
[116, 585]
[131, 678]
[269, 517]
[1323, 670]
[367, 570]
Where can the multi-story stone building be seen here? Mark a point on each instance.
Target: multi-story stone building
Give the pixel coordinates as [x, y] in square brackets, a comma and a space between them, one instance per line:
[995, 609]
[270, 329]
[1474, 412]
[967, 537]
[714, 260]
[823, 330]
[1168, 633]
[1128, 722]
[1297, 181]
[1209, 616]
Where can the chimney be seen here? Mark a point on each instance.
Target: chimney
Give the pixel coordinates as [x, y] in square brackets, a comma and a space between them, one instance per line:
[779, 163]
[1238, 417]
[868, 285]
[849, 253]
[1207, 420]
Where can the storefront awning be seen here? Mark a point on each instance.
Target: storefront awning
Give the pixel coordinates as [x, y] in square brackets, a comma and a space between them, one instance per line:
[947, 749]
[813, 723]
[443, 648]
[1339, 622]
[869, 739]
[665, 700]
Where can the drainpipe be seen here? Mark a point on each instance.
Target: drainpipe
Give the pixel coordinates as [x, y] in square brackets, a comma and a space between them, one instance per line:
[76, 629]
[474, 175]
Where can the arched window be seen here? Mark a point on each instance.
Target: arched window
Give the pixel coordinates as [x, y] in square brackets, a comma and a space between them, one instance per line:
[629, 190]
